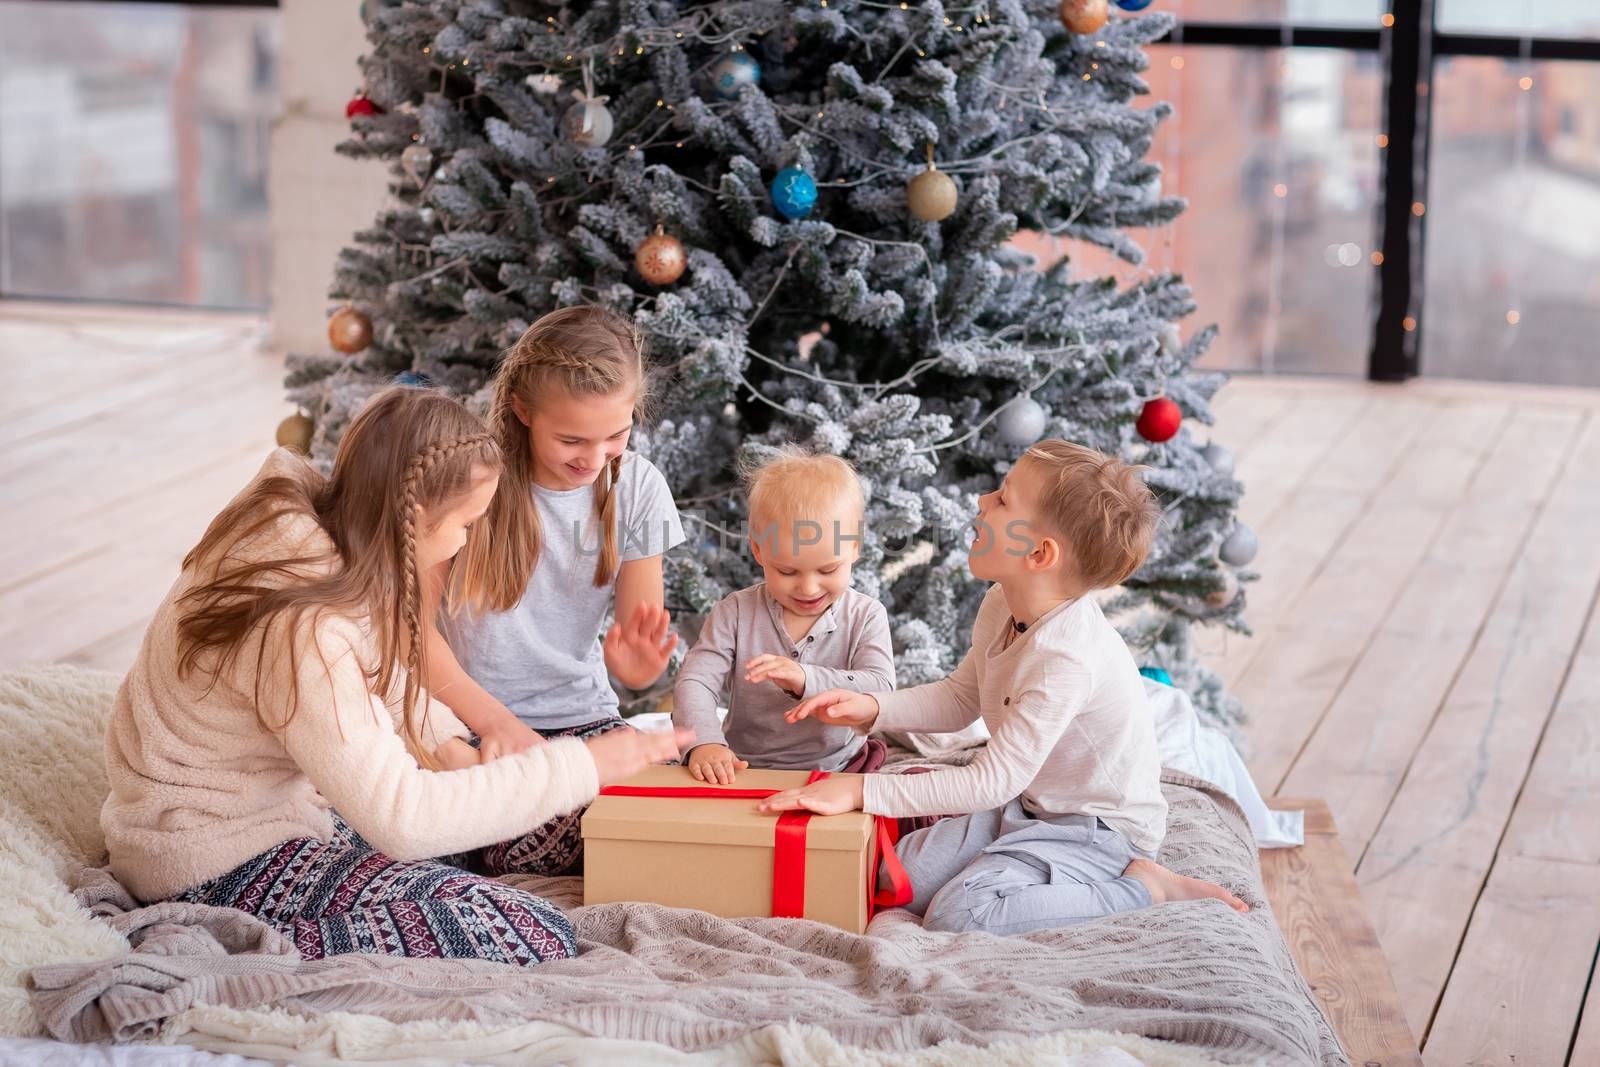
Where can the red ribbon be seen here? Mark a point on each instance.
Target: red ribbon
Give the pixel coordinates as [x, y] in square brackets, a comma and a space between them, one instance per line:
[789, 847]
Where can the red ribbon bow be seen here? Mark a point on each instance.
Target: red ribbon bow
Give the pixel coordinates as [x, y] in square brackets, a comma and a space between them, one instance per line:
[789, 847]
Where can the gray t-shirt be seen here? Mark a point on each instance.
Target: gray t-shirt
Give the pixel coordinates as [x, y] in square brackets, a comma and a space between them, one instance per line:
[543, 659]
[848, 647]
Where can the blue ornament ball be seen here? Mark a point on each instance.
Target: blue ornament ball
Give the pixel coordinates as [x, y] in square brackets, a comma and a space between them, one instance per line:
[1156, 674]
[794, 193]
[733, 72]
[1133, 5]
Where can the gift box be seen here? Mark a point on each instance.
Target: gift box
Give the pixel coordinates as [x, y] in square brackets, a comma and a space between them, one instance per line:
[664, 837]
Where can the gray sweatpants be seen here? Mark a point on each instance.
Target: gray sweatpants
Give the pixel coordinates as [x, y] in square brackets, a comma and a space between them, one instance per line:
[1005, 871]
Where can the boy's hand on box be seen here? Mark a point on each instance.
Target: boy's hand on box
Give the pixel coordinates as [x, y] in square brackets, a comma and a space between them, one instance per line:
[715, 763]
[836, 707]
[783, 672]
[831, 796]
[507, 739]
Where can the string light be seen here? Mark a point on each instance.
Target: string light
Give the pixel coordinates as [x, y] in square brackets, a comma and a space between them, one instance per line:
[1513, 317]
[1525, 82]
[1418, 209]
[1377, 259]
[1409, 324]
[1383, 140]
[1280, 190]
[1177, 62]
[1387, 20]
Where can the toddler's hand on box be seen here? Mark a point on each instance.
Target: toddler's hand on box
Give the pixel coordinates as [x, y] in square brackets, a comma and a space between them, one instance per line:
[715, 763]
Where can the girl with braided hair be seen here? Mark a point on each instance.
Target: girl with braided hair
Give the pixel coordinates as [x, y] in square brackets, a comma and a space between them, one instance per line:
[273, 748]
[578, 528]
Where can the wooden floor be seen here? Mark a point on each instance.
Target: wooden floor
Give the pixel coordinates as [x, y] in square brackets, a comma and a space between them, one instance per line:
[1425, 657]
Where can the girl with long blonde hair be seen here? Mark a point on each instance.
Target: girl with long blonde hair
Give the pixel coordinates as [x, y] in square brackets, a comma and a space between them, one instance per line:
[578, 527]
[273, 748]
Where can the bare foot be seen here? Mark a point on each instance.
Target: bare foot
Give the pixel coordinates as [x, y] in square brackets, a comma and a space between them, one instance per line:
[1165, 885]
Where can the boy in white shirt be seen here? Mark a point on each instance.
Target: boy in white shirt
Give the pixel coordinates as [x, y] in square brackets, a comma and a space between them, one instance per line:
[1065, 800]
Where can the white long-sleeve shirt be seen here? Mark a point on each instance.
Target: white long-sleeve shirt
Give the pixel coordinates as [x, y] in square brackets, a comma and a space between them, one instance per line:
[1070, 732]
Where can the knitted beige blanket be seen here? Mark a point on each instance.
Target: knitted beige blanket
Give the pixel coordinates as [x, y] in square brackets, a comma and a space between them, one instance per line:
[1195, 973]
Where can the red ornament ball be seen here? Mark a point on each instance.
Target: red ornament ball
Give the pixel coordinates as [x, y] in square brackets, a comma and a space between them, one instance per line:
[361, 104]
[1159, 420]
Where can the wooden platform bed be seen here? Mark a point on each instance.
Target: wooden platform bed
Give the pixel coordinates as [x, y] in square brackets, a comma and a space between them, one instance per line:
[1318, 908]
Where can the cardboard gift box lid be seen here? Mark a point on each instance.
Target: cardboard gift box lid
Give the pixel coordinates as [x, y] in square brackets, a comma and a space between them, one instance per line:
[715, 820]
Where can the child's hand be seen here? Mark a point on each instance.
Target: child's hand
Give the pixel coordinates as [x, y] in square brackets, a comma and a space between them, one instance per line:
[836, 707]
[455, 754]
[831, 796]
[507, 739]
[715, 763]
[785, 673]
[620, 754]
[637, 649]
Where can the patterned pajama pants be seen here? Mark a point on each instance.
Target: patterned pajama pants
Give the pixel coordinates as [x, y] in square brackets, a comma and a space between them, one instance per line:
[343, 896]
[556, 847]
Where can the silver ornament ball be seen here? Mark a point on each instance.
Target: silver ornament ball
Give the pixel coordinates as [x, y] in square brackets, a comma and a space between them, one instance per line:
[1021, 422]
[1239, 547]
[1220, 459]
[587, 124]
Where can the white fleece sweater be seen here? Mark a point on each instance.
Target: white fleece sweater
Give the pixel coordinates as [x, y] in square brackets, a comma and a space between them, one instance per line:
[199, 785]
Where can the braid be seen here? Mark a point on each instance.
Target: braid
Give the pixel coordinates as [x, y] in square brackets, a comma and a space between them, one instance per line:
[417, 469]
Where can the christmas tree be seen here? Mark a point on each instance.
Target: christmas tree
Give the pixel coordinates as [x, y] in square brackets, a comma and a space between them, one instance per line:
[808, 207]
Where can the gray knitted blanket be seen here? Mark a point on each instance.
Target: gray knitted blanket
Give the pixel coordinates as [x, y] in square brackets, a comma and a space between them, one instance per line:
[1195, 972]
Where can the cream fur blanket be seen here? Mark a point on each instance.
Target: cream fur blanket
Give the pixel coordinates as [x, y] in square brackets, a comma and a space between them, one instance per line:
[52, 720]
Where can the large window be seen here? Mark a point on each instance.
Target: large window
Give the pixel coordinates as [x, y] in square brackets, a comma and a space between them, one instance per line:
[133, 151]
[1513, 261]
[1436, 171]
[1275, 150]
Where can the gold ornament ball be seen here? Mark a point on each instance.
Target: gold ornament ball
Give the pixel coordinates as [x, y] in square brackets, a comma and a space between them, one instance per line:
[1224, 596]
[349, 330]
[295, 432]
[1084, 16]
[931, 195]
[661, 259]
